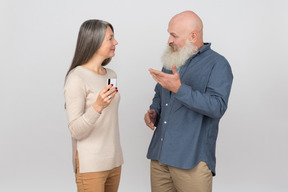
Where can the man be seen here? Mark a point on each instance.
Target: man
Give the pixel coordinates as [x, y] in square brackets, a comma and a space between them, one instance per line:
[191, 96]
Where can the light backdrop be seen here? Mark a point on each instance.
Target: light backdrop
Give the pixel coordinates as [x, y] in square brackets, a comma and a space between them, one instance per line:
[37, 43]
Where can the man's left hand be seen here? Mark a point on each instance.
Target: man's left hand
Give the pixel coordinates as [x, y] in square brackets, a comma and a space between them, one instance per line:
[170, 82]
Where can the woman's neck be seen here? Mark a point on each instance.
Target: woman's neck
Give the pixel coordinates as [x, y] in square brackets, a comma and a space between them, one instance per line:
[95, 65]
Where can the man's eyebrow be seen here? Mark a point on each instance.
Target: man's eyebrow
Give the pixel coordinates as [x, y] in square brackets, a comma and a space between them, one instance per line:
[171, 32]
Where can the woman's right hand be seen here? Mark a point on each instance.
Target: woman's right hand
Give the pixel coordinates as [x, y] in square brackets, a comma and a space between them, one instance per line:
[104, 98]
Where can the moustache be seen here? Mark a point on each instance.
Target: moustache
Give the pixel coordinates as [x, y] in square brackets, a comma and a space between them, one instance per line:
[173, 47]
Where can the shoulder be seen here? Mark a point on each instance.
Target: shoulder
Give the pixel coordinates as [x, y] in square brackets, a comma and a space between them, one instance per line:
[220, 64]
[111, 73]
[215, 59]
[75, 77]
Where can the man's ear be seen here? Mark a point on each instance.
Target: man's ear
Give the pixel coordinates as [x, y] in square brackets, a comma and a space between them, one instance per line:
[193, 37]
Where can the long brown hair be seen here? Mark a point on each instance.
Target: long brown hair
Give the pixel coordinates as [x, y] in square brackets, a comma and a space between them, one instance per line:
[90, 38]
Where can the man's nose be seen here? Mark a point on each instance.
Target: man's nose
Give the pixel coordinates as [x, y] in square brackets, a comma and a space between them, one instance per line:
[170, 40]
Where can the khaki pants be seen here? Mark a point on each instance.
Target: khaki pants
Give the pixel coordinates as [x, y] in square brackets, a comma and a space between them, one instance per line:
[165, 178]
[104, 181]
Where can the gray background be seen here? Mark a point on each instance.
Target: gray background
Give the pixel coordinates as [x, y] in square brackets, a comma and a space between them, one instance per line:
[37, 43]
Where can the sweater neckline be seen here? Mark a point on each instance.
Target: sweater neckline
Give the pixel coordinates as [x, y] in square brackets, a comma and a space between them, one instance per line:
[93, 73]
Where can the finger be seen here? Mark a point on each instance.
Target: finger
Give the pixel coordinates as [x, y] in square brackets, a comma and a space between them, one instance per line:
[153, 71]
[112, 95]
[157, 73]
[147, 119]
[109, 92]
[160, 77]
[151, 111]
[106, 88]
[174, 70]
[148, 122]
[156, 78]
[109, 99]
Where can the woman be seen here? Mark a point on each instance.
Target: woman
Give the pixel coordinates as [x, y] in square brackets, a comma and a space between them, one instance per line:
[92, 110]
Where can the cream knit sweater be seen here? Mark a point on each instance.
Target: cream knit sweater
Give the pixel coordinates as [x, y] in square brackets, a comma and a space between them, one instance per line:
[95, 136]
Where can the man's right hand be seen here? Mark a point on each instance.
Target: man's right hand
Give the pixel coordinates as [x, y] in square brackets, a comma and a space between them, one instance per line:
[150, 118]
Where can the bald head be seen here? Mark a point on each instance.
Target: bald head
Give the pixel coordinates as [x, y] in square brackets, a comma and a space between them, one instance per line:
[187, 25]
[189, 19]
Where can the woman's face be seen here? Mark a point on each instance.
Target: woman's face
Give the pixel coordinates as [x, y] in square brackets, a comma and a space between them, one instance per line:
[108, 46]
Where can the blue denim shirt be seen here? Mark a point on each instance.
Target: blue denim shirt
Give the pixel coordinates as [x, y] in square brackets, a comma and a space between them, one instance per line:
[187, 122]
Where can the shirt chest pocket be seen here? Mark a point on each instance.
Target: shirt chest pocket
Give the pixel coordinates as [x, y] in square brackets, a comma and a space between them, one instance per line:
[197, 78]
[197, 82]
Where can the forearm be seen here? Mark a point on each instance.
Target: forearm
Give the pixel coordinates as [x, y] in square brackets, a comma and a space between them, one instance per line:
[207, 104]
[82, 125]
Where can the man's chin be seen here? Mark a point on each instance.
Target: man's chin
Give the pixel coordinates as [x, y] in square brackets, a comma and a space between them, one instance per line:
[177, 56]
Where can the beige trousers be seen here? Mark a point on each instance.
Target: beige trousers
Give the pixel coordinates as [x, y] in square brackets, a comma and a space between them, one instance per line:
[104, 181]
[166, 178]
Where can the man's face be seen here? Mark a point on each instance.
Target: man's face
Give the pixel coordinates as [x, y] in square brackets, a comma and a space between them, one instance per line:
[178, 35]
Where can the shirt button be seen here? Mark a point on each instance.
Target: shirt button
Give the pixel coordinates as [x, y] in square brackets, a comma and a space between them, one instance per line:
[165, 122]
[161, 139]
[166, 104]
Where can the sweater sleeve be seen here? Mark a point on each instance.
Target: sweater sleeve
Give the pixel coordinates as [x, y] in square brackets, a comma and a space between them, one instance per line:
[81, 122]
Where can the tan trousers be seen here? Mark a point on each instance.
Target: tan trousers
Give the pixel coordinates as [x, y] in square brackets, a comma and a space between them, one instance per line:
[165, 178]
[104, 181]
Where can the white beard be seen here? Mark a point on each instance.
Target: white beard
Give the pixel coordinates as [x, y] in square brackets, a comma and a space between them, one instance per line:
[178, 56]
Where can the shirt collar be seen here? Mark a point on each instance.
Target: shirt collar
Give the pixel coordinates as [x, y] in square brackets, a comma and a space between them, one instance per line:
[204, 48]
